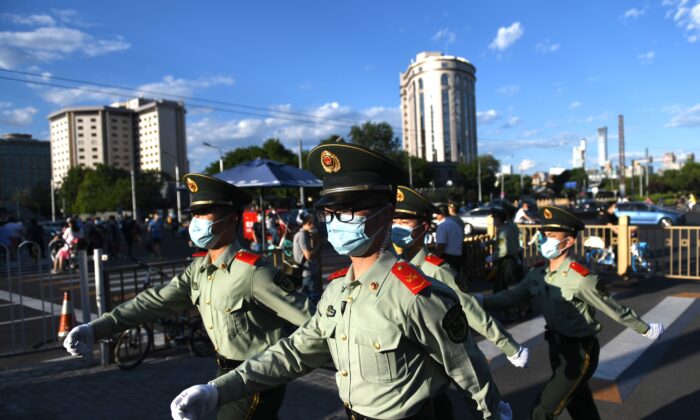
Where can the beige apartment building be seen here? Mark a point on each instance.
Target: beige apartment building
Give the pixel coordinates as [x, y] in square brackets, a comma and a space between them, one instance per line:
[438, 108]
[141, 134]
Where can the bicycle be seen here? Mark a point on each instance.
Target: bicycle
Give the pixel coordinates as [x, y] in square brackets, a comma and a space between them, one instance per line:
[598, 255]
[133, 345]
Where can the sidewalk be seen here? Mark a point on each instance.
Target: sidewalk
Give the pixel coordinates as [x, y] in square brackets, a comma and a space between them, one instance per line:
[68, 389]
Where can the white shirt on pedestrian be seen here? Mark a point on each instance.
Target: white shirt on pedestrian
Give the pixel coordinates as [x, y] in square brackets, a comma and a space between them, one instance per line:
[451, 234]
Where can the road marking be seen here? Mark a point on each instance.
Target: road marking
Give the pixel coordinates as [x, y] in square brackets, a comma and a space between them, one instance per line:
[529, 334]
[34, 318]
[621, 368]
[36, 304]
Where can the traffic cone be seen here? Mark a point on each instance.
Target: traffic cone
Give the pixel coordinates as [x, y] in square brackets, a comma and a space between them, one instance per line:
[67, 321]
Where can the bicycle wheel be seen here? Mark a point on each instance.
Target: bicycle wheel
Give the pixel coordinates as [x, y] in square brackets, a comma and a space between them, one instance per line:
[200, 344]
[132, 347]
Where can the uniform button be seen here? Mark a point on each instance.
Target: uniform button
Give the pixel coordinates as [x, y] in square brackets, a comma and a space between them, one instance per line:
[227, 309]
[211, 326]
[209, 277]
[223, 266]
[207, 302]
[349, 299]
[377, 345]
[343, 337]
[344, 372]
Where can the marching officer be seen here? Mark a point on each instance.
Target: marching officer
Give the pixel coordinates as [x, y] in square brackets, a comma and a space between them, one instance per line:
[411, 223]
[243, 300]
[506, 252]
[569, 294]
[396, 337]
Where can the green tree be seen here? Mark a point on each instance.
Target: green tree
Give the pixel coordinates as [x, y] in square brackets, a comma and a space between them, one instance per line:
[470, 177]
[376, 136]
[270, 149]
[333, 138]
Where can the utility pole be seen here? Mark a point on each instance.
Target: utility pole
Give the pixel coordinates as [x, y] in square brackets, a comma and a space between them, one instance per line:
[301, 189]
[53, 202]
[177, 193]
[647, 161]
[621, 144]
[478, 175]
[410, 171]
[133, 196]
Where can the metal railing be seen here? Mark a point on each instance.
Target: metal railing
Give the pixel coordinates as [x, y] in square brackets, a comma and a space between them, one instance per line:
[683, 248]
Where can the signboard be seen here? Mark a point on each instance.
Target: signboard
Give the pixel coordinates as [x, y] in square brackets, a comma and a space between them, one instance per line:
[570, 185]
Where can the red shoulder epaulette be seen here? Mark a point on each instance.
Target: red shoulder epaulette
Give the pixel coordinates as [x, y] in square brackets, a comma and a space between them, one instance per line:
[247, 257]
[410, 277]
[337, 274]
[200, 254]
[434, 260]
[579, 268]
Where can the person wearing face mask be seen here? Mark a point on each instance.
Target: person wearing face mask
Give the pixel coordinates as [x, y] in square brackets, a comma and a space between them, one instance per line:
[396, 337]
[568, 294]
[411, 223]
[244, 301]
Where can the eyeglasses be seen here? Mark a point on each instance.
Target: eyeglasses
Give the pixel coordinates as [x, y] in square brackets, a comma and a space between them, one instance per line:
[326, 215]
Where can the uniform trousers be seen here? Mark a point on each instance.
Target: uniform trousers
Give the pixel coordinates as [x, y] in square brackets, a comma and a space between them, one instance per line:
[259, 406]
[573, 361]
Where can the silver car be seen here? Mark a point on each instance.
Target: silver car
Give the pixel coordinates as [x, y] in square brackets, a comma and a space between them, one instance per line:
[475, 220]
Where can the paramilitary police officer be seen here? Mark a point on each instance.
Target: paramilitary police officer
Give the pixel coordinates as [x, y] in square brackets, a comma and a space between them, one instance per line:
[243, 299]
[506, 252]
[396, 337]
[411, 223]
[569, 294]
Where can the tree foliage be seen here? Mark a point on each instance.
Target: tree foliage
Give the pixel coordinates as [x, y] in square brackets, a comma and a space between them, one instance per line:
[376, 136]
[272, 149]
[469, 173]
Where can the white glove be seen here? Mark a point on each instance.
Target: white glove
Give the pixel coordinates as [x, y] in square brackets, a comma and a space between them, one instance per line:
[194, 402]
[655, 331]
[489, 259]
[520, 358]
[79, 340]
[479, 298]
[504, 411]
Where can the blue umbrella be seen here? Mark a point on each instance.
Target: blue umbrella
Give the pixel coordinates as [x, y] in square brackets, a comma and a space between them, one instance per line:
[265, 173]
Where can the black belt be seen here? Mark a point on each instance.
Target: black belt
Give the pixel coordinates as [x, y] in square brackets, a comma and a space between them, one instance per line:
[550, 335]
[426, 412]
[227, 364]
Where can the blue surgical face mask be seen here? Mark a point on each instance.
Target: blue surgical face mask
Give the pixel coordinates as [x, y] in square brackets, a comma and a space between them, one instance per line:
[401, 235]
[349, 238]
[201, 232]
[550, 248]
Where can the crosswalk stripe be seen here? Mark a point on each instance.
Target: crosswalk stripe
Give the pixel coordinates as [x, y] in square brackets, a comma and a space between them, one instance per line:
[529, 334]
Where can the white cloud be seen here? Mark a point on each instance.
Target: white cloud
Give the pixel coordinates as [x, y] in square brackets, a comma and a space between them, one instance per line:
[31, 20]
[560, 87]
[505, 37]
[574, 105]
[562, 139]
[52, 43]
[526, 165]
[168, 87]
[512, 122]
[646, 57]
[686, 15]
[239, 132]
[546, 46]
[5, 104]
[686, 118]
[487, 117]
[508, 90]
[18, 116]
[632, 14]
[445, 35]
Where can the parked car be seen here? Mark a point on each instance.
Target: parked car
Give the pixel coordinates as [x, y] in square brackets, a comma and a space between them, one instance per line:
[475, 220]
[649, 214]
[588, 208]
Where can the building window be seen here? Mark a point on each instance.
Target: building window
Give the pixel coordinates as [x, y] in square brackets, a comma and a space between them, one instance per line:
[92, 120]
[94, 156]
[80, 120]
[81, 149]
[446, 132]
[80, 134]
[444, 80]
[444, 65]
[420, 84]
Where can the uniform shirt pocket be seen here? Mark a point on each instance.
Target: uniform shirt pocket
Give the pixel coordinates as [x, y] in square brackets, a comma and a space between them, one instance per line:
[233, 314]
[327, 329]
[381, 357]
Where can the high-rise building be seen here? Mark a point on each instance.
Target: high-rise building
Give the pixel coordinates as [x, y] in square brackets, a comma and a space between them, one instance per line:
[579, 155]
[24, 163]
[602, 146]
[143, 134]
[438, 108]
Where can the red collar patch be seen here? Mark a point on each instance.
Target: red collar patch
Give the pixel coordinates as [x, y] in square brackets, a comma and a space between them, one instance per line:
[579, 268]
[247, 257]
[410, 277]
[200, 254]
[337, 274]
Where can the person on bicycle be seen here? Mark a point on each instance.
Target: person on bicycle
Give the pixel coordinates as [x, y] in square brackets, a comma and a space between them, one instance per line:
[244, 301]
[70, 236]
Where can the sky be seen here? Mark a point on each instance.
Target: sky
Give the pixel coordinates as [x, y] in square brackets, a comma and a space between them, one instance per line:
[549, 73]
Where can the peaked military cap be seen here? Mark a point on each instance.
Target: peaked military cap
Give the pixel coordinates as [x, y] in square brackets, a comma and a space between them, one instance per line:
[560, 220]
[354, 175]
[207, 191]
[411, 205]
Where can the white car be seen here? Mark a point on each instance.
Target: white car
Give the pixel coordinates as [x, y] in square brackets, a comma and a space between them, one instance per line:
[475, 220]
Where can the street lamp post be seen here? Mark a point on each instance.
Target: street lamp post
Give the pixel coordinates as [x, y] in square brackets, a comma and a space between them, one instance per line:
[221, 155]
[177, 185]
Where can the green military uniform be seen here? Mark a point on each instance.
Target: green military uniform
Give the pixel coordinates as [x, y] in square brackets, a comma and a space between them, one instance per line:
[396, 338]
[243, 300]
[568, 298]
[506, 252]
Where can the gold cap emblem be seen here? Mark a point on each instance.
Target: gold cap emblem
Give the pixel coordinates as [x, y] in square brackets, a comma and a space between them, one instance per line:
[547, 214]
[399, 195]
[192, 185]
[330, 162]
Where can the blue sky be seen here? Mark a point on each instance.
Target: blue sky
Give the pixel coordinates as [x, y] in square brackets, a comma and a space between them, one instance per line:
[548, 72]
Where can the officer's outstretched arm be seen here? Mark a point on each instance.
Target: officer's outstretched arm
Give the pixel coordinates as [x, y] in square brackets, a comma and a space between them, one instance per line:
[436, 322]
[149, 305]
[594, 292]
[487, 326]
[292, 357]
[277, 292]
[509, 297]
